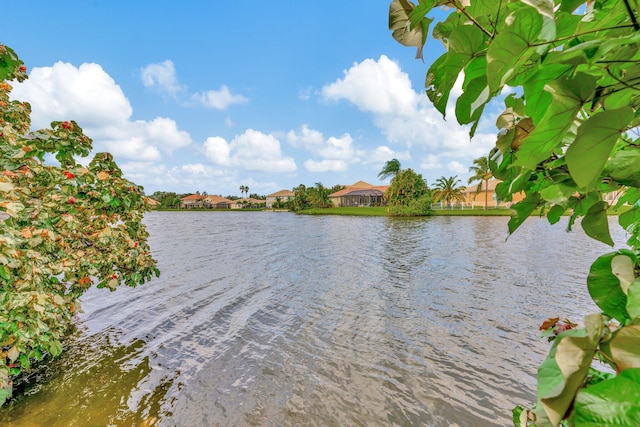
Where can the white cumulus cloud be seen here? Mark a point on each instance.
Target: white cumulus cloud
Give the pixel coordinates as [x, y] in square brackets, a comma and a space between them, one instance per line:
[163, 77]
[252, 150]
[90, 96]
[325, 165]
[406, 117]
[218, 99]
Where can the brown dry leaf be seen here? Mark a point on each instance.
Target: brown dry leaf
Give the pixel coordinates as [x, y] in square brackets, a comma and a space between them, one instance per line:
[549, 322]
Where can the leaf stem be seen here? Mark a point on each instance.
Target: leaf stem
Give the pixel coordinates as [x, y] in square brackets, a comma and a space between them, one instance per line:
[580, 34]
[632, 16]
[472, 19]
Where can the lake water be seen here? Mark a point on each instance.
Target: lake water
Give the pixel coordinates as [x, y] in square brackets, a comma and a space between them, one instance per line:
[274, 319]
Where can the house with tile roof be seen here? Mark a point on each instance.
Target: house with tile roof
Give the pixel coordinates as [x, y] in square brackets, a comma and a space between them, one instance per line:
[282, 195]
[217, 202]
[476, 199]
[359, 194]
[192, 201]
[247, 202]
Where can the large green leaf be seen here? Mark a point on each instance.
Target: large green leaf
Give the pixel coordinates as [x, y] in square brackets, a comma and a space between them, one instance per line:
[613, 402]
[633, 299]
[522, 210]
[596, 224]
[564, 370]
[510, 49]
[624, 167]
[588, 155]
[544, 7]
[625, 347]
[465, 42]
[569, 95]
[609, 279]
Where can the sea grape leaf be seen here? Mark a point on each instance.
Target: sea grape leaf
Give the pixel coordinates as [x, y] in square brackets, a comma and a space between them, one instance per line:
[544, 7]
[522, 210]
[465, 42]
[609, 278]
[629, 218]
[510, 49]
[624, 347]
[633, 299]
[613, 402]
[588, 155]
[596, 224]
[568, 94]
[555, 213]
[400, 25]
[564, 370]
[624, 167]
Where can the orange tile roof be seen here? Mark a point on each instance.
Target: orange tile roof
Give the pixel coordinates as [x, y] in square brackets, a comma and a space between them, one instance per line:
[192, 197]
[282, 193]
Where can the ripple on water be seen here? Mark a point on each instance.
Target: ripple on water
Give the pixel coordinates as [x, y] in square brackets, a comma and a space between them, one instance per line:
[277, 319]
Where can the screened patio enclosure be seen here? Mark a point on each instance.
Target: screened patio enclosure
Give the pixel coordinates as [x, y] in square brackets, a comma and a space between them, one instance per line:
[362, 197]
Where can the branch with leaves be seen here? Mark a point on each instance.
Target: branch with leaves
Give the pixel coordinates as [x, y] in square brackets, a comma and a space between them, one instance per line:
[564, 139]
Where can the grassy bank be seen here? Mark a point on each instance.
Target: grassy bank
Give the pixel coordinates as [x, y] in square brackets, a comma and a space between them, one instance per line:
[353, 211]
[382, 211]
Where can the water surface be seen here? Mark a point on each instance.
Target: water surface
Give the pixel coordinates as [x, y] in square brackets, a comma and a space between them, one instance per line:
[273, 319]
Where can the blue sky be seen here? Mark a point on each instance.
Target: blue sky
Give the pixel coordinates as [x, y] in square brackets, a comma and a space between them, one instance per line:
[210, 95]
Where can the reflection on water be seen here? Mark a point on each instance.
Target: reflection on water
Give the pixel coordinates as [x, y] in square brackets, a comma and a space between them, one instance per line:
[272, 319]
[96, 382]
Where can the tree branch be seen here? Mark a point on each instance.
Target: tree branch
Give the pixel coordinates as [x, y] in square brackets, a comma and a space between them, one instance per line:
[472, 19]
[632, 16]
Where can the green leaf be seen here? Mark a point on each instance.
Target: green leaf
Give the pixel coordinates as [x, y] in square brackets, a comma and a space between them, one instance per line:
[588, 154]
[465, 42]
[555, 213]
[522, 210]
[510, 49]
[596, 224]
[633, 299]
[4, 273]
[612, 402]
[609, 278]
[624, 167]
[568, 97]
[563, 372]
[629, 218]
[544, 7]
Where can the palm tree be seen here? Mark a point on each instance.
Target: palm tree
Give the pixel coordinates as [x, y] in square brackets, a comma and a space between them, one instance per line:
[318, 196]
[391, 168]
[446, 190]
[482, 173]
[243, 189]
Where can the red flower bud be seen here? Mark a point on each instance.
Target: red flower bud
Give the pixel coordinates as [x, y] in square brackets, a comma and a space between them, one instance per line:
[22, 68]
[66, 125]
[68, 174]
[71, 200]
[114, 276]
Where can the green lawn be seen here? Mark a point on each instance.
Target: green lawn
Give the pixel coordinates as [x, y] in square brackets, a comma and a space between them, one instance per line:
[353, 211]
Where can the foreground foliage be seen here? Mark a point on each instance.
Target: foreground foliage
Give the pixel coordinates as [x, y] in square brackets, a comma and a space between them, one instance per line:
[566, 138]
[63, 228]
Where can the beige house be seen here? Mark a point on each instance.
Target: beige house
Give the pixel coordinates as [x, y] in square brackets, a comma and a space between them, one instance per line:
[359, 194]
[192, 201]
[476, 199]
[217, 202]
[282, 195]
[248, 202]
